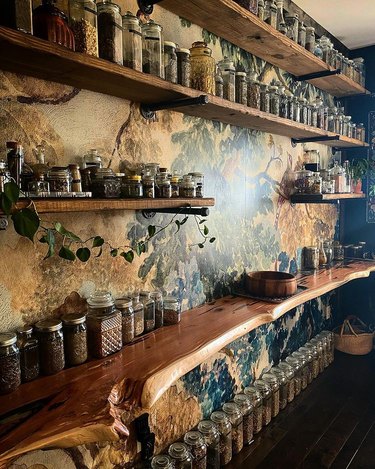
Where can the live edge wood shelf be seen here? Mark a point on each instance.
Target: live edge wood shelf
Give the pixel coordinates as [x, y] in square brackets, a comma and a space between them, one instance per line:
[90, 402]
[324, 198]
[28, 55]
[228, 20]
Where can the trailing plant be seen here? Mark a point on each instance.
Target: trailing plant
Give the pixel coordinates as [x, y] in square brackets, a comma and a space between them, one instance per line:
[67, 245]
[361, 168]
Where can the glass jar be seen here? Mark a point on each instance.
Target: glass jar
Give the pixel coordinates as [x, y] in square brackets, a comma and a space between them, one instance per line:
[92, 159]
[297, 109]
[212, 438]
[304, 368]
[308, 356]
[360, 63]
[241, 88]
[225, 429]
[125, 306]
[148, 185]
[139, 317]
[132, 188]
[291, 107]
[131, 42]
[360, 132]
[284, 104]
[59, 179]
[84, 24]
[182, 459]
[289, 373]
[272, 380]
[183, 67]
[51, 24]
[104, 325]
[266, 393]
[315, 359]
[303, 181]
[328, 249]
[152, 49]
[172, 310]
[319, 346]
[261, 10]
[236, 419]
[331, 344]
[110, 32]
[157, 297]
[292, 25]
[310, 39]
[256, 399]
[219, 84]
[283, 383]
[311, 258]
[314, 114]
[175, 186]
[162, 461]
[170, 62]
[228, 72]
[10, 370]
[76, 177]
[272, 18]
[302, 34]
[4, 175]
[316, 187]
[105, 184]
[264, 98]
[17, 14]
[280, 21]
[253, 91]
[250, 5]
[198, 179]
[296, 365]
[165, 188]
[244, 403]
[51, 346]
[338, 251]
[149, 310]
[198, 449]
[75, 338]
[29, 353]
[274, 100]
[187, 187]
[303, 111]
[203, 68]
[326, 348]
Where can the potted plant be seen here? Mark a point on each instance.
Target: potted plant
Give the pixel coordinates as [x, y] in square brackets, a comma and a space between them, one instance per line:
[359, 170]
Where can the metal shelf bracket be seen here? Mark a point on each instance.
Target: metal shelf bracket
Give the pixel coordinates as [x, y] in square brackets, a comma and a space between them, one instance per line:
[312, 76]
[200, 211]
[295, 141]
[148, 110]
[147, 6]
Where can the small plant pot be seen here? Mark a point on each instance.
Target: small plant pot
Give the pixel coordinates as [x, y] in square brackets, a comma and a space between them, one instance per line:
[357, 186]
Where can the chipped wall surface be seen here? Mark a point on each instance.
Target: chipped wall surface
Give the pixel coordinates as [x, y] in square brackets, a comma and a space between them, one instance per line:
[255, 228]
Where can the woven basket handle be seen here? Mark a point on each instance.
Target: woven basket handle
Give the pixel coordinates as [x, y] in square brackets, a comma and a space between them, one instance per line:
[346, 324]
[356, 318]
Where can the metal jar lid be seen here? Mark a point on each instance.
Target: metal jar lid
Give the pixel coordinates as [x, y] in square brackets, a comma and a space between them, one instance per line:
[73, 319]
[123, 302]
[49, 325]
[193, 438]
[26, 329]
[207, 427]
[170, 44]
[103, 173]
[7, 338]
[100, 299]
[183, 51]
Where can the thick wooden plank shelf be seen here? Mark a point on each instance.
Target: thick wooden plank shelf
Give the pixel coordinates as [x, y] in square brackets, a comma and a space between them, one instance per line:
[227, 19]
[324, 198]
[21, 53]
[85, 404]
[94, 205]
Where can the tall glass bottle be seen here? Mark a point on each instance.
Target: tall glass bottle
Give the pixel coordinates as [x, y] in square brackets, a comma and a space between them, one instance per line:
[152, 49]
[132, 41]
[280, 21]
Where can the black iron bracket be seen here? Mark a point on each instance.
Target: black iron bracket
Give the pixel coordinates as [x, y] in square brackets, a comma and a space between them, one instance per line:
[148, 110]
[324, 73]
[201, 211]
[295, 141]
[147, 6]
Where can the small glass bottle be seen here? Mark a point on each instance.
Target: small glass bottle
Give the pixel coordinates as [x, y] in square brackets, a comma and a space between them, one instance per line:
[152, 49]
[148, 183]
[172, 310]
[253, 91]
[246, 406]
[187, 187]
[76, 177]
[310, 39]
[261, 8]
[296, 366]
[228, 72]
[182, 459]
[219, 84]
[183, 67]
[292, 24]
[212, 438]
[297, 110]
[132, 41]
[289, 373]
[315, 359]
[264, 98]
[162, 461]
[75, 338]
[306, 352]
[241, 88]
[10, 370]
[283, 382]
[105, 184]
[304, 368]
[110, 32]
[274, 100]
[302, 34]
[256, 399]
[303, 111]
[125, 306]
[149, 310]
[272, 380]
[291, 107]
[236, 419]
[92, 159]
[280, 21]
[159, 308]
[266, 392]
[165, 188]
[132, 188]
[170, 62]
[224, 426]
[198, 449]
[51, 346]
[139, 321]
[29, 353]
[175, 185]
[17, 14]
[198, 179]
[203, 68]
[319, 346]
[84, 24]
[272, 19]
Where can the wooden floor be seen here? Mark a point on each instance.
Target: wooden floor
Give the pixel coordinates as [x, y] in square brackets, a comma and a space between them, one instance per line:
[330, 424]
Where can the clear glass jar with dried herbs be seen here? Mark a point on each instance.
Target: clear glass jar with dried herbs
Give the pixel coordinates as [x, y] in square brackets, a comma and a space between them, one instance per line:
[17, 14]
[162, 461]
[304, 368]
[246, 406]
[183, 67]
[29, 353]
[10, 369]
[228, 72]
[272, 380]
[149, 310]
[125, 306]
[139, 319]
[110, 32]
[224, 426]
[181, 456]
[283, 383]
[289, 373]
[84, 24]
[131, 42]
[51, 346]
[253, 91]
[152, 49]
[170, 62]
[236, 419]
[203, 68]
[241, 88]
[159, 308]
[257, 401]
[172, 310]
[266, 393]
[296, 365]
[75, 338]
[198, 449]
[211, 436]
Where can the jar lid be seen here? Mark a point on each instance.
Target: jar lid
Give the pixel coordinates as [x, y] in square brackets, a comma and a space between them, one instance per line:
[170, 299]
[129, 16]
[244, 402]
[26, 329]
[281, 375]
[200, 47]
[179, 451]
[240, 74]
[300, 357]
[7, 338]
[253, 393]
[49, 325]
[183, 51]
[73, 318]
[270, 378]
[101, 173]
[287, 369]
[305, 351]
[207, 426]
[105, 3]
[310, 28]
[135, 177]
[163, 461]
[175, 179]
[170, 44]
[263, 387]
[193, 438]
[219, 417]
[120, 175]
[59, 171]
[123, 302]
[293, 362]
[156, 294]
[144, 293]
[101, 299]
[231, 408]
[196, 175]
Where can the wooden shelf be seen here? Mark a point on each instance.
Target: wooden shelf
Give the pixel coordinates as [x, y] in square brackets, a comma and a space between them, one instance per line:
[28, 55]
[228, 20]
[85, 404]
[323, 198]
[94, 205]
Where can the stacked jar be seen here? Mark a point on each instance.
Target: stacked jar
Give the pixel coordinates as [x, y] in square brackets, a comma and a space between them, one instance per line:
[257, 401]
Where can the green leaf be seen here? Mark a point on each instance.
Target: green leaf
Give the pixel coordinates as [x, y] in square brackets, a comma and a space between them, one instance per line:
[178, 225]
[201, 245]
[128, 256]
[212, 240]
[140, 247]
[83, 254]
[60, 229]
[202, 221]
[26, 223]
[50, 239]
[151, 230]
[97, 242]
[43, 239]
[6, 204]
[114, 252]
[184, 220]
[205, 230]
[100, 252]
[12, 191]
[66, 253]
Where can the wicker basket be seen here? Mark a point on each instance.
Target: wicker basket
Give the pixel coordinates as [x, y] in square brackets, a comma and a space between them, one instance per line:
[353, 337]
